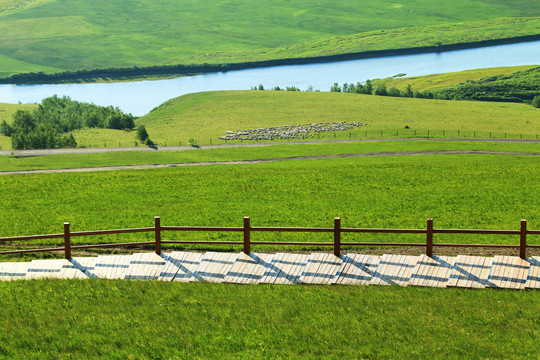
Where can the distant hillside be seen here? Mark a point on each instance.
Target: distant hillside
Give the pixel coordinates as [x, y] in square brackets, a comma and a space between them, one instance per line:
[80, 39]
[435, 81]
[521, 86]
[515, 84]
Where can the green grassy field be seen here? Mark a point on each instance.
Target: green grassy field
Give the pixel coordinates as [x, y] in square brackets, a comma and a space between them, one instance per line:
[393, 192]
[56, 35]
[206, 116]
[434, 81]
[7, 110]
[52, 319]
[194, 155]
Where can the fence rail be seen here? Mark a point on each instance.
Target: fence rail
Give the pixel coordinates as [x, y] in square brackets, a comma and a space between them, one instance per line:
[247, 229]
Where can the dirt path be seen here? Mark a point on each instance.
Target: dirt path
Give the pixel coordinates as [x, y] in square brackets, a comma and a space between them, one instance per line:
[209, 163]
[41, 152]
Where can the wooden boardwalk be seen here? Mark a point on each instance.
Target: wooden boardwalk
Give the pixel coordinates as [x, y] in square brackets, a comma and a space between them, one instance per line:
[509, 272]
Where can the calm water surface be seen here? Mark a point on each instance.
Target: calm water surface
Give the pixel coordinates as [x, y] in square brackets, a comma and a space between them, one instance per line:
[140, 97]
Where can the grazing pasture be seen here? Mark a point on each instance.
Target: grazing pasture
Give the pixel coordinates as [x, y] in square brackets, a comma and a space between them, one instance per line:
[205, 116]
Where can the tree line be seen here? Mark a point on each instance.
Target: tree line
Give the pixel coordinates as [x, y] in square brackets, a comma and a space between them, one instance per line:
[46, 127]
[522, 86]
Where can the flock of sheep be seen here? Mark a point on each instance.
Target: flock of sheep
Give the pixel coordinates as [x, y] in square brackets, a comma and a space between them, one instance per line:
[290, 131]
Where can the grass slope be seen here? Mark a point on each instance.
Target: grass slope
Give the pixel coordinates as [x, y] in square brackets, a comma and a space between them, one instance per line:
[6, 114]
[206, 116]
[79, 34]
[49, 319]
[7, 111]
[194, 155]
[515, 84]
[436, 81]
[467, 191]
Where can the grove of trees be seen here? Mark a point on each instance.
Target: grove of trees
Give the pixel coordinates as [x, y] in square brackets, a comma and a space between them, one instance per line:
[47, 126]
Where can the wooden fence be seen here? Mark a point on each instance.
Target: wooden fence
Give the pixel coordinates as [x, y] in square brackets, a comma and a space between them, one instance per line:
[247, 229]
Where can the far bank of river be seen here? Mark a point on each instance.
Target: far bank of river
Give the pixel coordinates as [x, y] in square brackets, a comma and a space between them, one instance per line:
[140, 97]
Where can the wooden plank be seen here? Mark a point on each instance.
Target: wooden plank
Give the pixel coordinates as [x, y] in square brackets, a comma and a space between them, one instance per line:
[358, 269]
[257, 269]
[214, 266]
[330, 269]
[222, 267]
[145, 266]
[170, 269]
[486, 269]
[432, 271]
[345, 269]
[112, 266]
[260, 269]
[311, 269]
[518, 274]
[321, 268]
[381, 269]
[249, 269]
[49, 268]
[394, 270]
[237, 272]
[14, 270]
[172, 265]
[273, 270]
[298, 268]
[286, 268]
[71, 271]
[409, 265]
[442, 273]
[470, 272]
[423, 273]
[422, 270]
[103, 266]
[497, 275]
[187, 267]
[121, 266]
[334, 265]
[459, 272]
[475, 267]
[85, 264]
[403, 269]
[533, 278]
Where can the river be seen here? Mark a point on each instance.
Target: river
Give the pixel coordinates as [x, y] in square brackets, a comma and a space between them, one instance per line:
[139, 97]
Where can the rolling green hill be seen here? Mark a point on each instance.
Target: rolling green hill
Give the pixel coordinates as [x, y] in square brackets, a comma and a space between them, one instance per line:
[60, 35]
[209, 115]
[508, 84]
[436, 81]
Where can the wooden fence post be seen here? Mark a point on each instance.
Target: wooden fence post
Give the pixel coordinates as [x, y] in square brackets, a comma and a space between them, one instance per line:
[429, 237]
[337, 236]
[523, 240]
[67, 241]
[247, 235]
[157, 230]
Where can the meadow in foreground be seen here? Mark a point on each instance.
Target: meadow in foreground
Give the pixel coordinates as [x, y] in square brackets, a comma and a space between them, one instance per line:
[147, 320]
